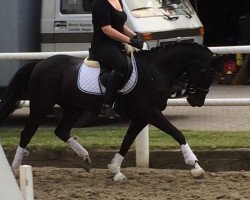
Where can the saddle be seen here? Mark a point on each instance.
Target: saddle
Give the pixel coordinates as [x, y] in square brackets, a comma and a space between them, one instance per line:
[92, 78]
[104, 73]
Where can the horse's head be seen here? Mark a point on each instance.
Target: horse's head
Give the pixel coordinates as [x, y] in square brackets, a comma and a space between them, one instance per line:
[197, 62]
[200, 77]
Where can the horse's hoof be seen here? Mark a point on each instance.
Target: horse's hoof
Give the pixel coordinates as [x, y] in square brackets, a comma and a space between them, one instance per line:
[197, 171]
[87, 164]
[120, 177]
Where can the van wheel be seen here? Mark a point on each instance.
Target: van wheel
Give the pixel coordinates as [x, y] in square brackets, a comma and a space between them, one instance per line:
[87, 119]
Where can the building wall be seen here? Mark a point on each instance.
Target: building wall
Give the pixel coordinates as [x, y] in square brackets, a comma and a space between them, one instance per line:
[222, 21]
[19, 32]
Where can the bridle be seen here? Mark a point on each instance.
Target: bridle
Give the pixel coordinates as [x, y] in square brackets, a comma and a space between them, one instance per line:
[192, 89]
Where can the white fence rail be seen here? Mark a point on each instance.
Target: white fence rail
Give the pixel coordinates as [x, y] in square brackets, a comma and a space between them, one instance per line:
[208, 102]
[84, 54]
[40, 55]
[231, 49]
[142, 149]
[213, 102]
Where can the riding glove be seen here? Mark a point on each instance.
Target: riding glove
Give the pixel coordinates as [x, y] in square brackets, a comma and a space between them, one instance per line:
[136, 42]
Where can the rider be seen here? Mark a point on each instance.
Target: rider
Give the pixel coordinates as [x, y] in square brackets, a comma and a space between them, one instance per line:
[110, 32]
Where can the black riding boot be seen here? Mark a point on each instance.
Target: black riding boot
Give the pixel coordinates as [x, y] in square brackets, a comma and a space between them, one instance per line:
[113, 85]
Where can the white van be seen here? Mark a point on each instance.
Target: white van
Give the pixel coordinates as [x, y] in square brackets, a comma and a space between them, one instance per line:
[66, 25]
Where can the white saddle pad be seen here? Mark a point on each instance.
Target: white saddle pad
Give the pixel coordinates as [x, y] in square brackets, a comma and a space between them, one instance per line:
[88, 80]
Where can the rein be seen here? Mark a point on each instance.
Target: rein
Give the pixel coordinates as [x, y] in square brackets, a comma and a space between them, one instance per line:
[210, 70]
[213, 71]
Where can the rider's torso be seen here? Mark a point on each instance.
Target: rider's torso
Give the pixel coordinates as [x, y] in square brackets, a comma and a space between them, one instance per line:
[105, 14]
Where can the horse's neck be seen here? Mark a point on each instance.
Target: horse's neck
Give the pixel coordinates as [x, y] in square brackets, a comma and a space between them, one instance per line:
[175, 59]
[171, 64]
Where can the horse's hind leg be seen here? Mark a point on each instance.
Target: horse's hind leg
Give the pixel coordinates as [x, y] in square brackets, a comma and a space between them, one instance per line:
[26, 135]
[70, 116]
[38, 110]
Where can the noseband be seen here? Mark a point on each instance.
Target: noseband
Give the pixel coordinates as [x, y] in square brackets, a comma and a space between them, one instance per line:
[191, 89]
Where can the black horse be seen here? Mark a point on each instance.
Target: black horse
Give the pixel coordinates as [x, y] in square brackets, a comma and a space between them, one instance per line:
[54, 81]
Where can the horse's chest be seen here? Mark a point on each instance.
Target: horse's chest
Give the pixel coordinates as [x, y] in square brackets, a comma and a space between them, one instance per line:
[156, 83]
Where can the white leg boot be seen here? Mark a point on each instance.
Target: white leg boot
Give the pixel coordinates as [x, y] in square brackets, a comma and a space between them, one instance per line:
[81, 152]
[190, 158]
[116, 163]
[20, 152]
[115, 167]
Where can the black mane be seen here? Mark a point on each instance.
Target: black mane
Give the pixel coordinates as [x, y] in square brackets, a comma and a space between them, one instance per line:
[172, 46]
[174, 53]
[183, 44]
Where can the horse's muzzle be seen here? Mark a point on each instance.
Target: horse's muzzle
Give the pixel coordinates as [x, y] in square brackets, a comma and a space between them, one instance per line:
[195, 101]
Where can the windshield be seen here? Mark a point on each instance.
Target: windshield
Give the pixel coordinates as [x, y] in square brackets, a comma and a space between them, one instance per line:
[151, 8]
[76, 6]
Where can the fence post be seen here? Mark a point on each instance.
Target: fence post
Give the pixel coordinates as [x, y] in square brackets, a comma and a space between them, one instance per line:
[142, 148]
[26, 182]
[9, 189]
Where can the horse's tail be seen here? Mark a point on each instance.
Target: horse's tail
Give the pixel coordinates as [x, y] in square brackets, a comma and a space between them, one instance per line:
[15, 90]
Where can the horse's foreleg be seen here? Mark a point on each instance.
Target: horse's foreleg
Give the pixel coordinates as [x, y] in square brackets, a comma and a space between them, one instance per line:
[134, 129]
[157, 119]
[191, 159]
[115, 165]
[62, 131]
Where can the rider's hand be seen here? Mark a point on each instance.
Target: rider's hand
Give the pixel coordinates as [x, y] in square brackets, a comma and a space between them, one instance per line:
[136, 42]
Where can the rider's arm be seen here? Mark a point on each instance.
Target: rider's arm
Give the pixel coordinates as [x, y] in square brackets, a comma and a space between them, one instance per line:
[127, 31]
[115, 35]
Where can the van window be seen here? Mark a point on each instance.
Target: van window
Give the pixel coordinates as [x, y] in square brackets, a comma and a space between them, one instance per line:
[76, 6]
[151, 8]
